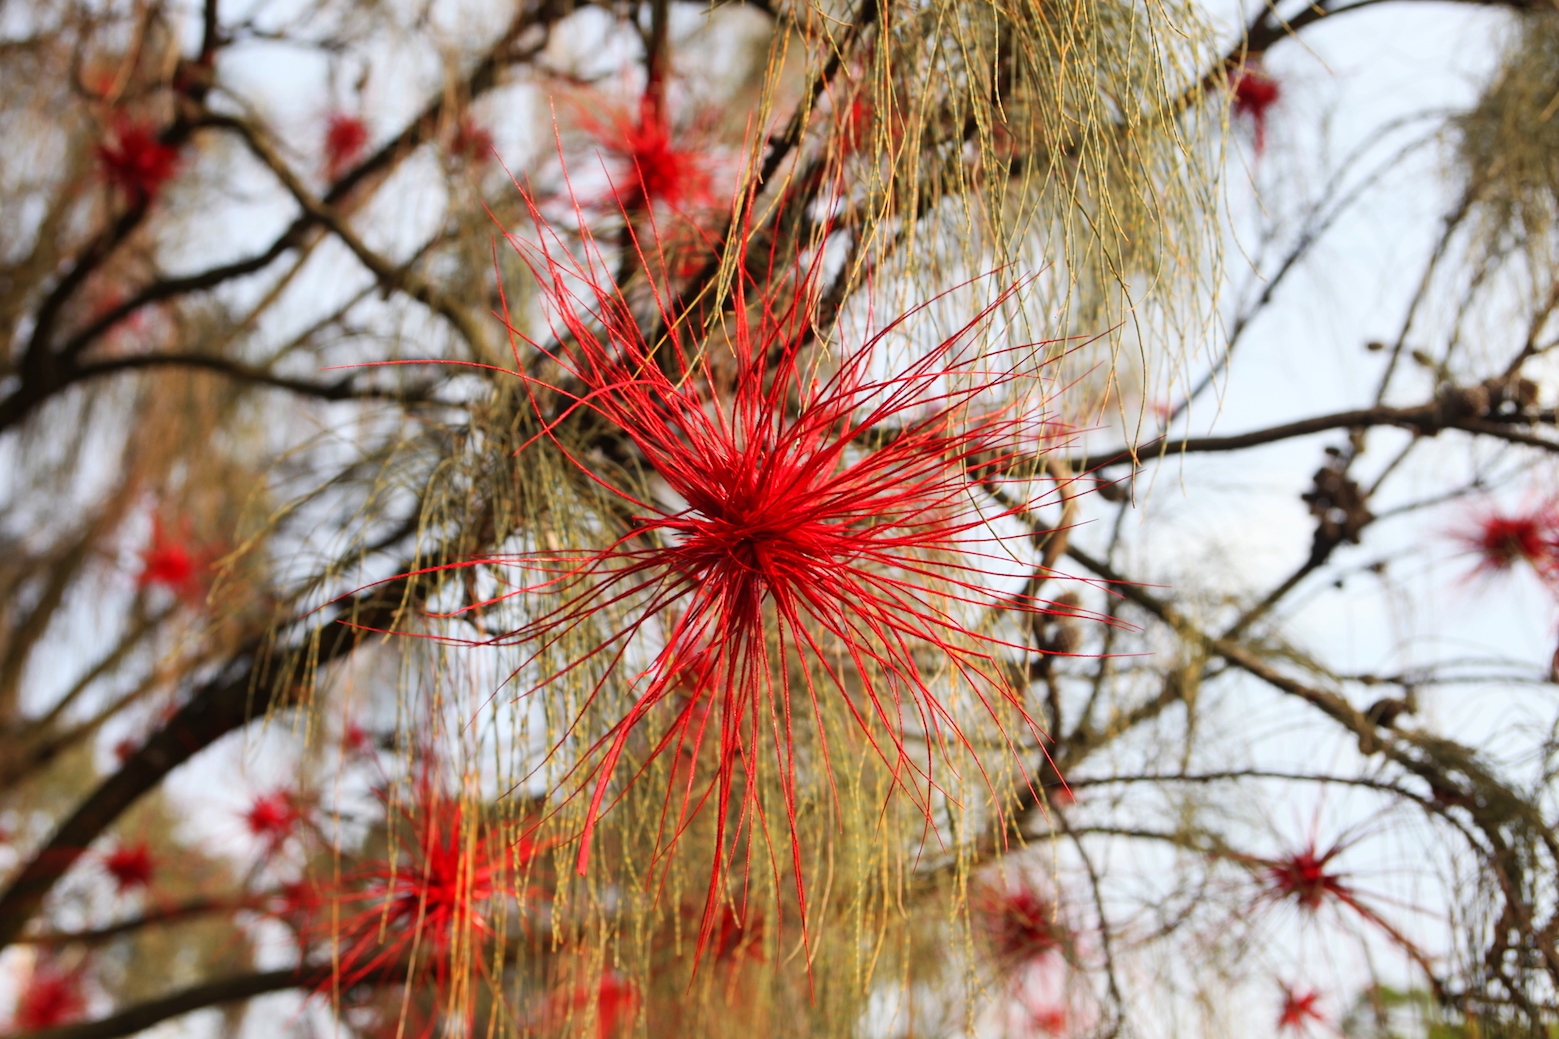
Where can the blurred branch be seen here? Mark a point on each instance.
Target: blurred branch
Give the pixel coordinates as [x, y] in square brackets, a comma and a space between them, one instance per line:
[99, 935]
[199, 997]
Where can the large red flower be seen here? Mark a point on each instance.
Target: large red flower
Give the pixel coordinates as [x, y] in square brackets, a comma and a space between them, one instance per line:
[827, 512]
[135, 160]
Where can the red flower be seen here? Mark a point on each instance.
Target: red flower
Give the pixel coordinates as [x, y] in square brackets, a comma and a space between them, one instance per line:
[1299, 1010]
[272, 818]
[135, 161]
[650, 165]
[51, 997]
[1048, 1020]
[815, 516]
[1254, 93]
[130, 865]
[855, 124]
[345, 138]
[1019, 924]
[1502, 540]
[472, 142]
[175, 565]
[428, 906]
[616, 1002]
[1307, 880]
[357, 741]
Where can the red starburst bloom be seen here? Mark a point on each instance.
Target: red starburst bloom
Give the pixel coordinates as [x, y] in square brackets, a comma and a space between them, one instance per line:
[1255, 93]
[131, 866]
[345, 138]
[1308, 880]
[1019, 925]
[820, 510]
[1299, 1010]
[272, 818]
[426, 909]
[50, 998]
[1503, 540]
[134, 160]
[650, 163]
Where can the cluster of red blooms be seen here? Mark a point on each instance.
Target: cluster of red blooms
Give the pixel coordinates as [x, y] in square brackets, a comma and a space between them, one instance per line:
[135, 160]
[1502, 541]
[836, 502]
[1254, 93]
[345, 138]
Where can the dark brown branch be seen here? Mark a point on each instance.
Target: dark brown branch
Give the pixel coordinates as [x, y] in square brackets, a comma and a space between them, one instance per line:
[341, 389]
[198, 997]
[1424, 419]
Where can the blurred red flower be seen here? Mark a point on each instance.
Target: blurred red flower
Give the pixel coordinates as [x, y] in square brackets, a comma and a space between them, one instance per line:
[615, 999]
[1308, 880]
[134, 160]
[649, 162]
[175, 564]
[345, 138]
[272, 818]
[131, 866]
[49, 998]
[472, 142]
[1299, 1010]
[1255, 93]
[1018, 924]
[1503, 540]
[428, 906]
